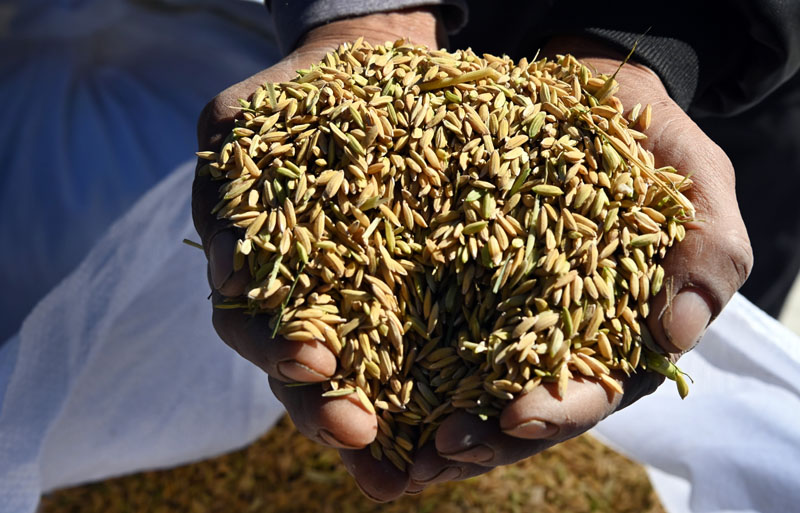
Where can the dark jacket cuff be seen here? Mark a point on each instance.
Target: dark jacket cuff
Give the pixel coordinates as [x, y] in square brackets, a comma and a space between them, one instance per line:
[293, 18]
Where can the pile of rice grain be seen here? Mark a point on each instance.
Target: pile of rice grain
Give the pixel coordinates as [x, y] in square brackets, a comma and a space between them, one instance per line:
[457, 229]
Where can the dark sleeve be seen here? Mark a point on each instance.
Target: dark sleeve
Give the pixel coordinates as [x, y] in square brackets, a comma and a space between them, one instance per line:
[293, 18]
[717, 58]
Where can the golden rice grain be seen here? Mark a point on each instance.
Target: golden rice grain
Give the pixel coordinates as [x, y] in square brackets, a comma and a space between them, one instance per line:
[522, 225]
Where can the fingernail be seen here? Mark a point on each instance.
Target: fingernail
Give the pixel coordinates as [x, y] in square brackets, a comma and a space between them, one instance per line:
[446, 474]
[449, 474]
[686, 320]
[477, 454]
[296, 371]
[331, 440]
[533, 429]
[220, 257]
[369, 495]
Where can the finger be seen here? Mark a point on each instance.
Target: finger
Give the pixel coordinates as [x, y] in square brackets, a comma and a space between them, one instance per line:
[217, 235]
[715, 258]
[415, 488]
[380, 480]
[224, 279]
[286, 360]
[340, 422]
[540, 414]
[430, 467]
[528, 425]
[467, 471]
[713, 261]
[205, 195]
[466, 438]
[216, 121]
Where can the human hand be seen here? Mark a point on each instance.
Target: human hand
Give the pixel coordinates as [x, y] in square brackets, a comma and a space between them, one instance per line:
[337, 422]
[704, 271]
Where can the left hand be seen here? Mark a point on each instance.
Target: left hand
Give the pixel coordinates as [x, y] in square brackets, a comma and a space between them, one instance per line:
[706, 269]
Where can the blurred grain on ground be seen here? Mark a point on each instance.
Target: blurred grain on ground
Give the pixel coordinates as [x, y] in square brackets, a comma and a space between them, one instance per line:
[284, 472]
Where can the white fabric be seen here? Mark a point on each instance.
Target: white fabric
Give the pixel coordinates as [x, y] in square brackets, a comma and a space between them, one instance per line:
[115, 370]
[119, 369]
[733, 445]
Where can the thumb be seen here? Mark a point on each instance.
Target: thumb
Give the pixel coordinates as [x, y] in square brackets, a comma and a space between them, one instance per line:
[715, 258]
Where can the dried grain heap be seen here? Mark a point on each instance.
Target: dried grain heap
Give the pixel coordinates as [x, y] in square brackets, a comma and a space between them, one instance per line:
[458, 229]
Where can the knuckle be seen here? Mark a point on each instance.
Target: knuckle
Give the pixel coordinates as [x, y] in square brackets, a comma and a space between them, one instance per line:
[720, 160]
[222, 325]
[211, 111]
[666, 104]
[740, 255]
[205, 118]
[212, 122]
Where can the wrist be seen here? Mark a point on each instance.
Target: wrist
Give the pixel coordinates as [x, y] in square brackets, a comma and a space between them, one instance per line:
[604, 59]
[419, 25]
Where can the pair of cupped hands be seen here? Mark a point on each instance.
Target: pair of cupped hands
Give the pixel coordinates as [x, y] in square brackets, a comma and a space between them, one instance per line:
[706, 269]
